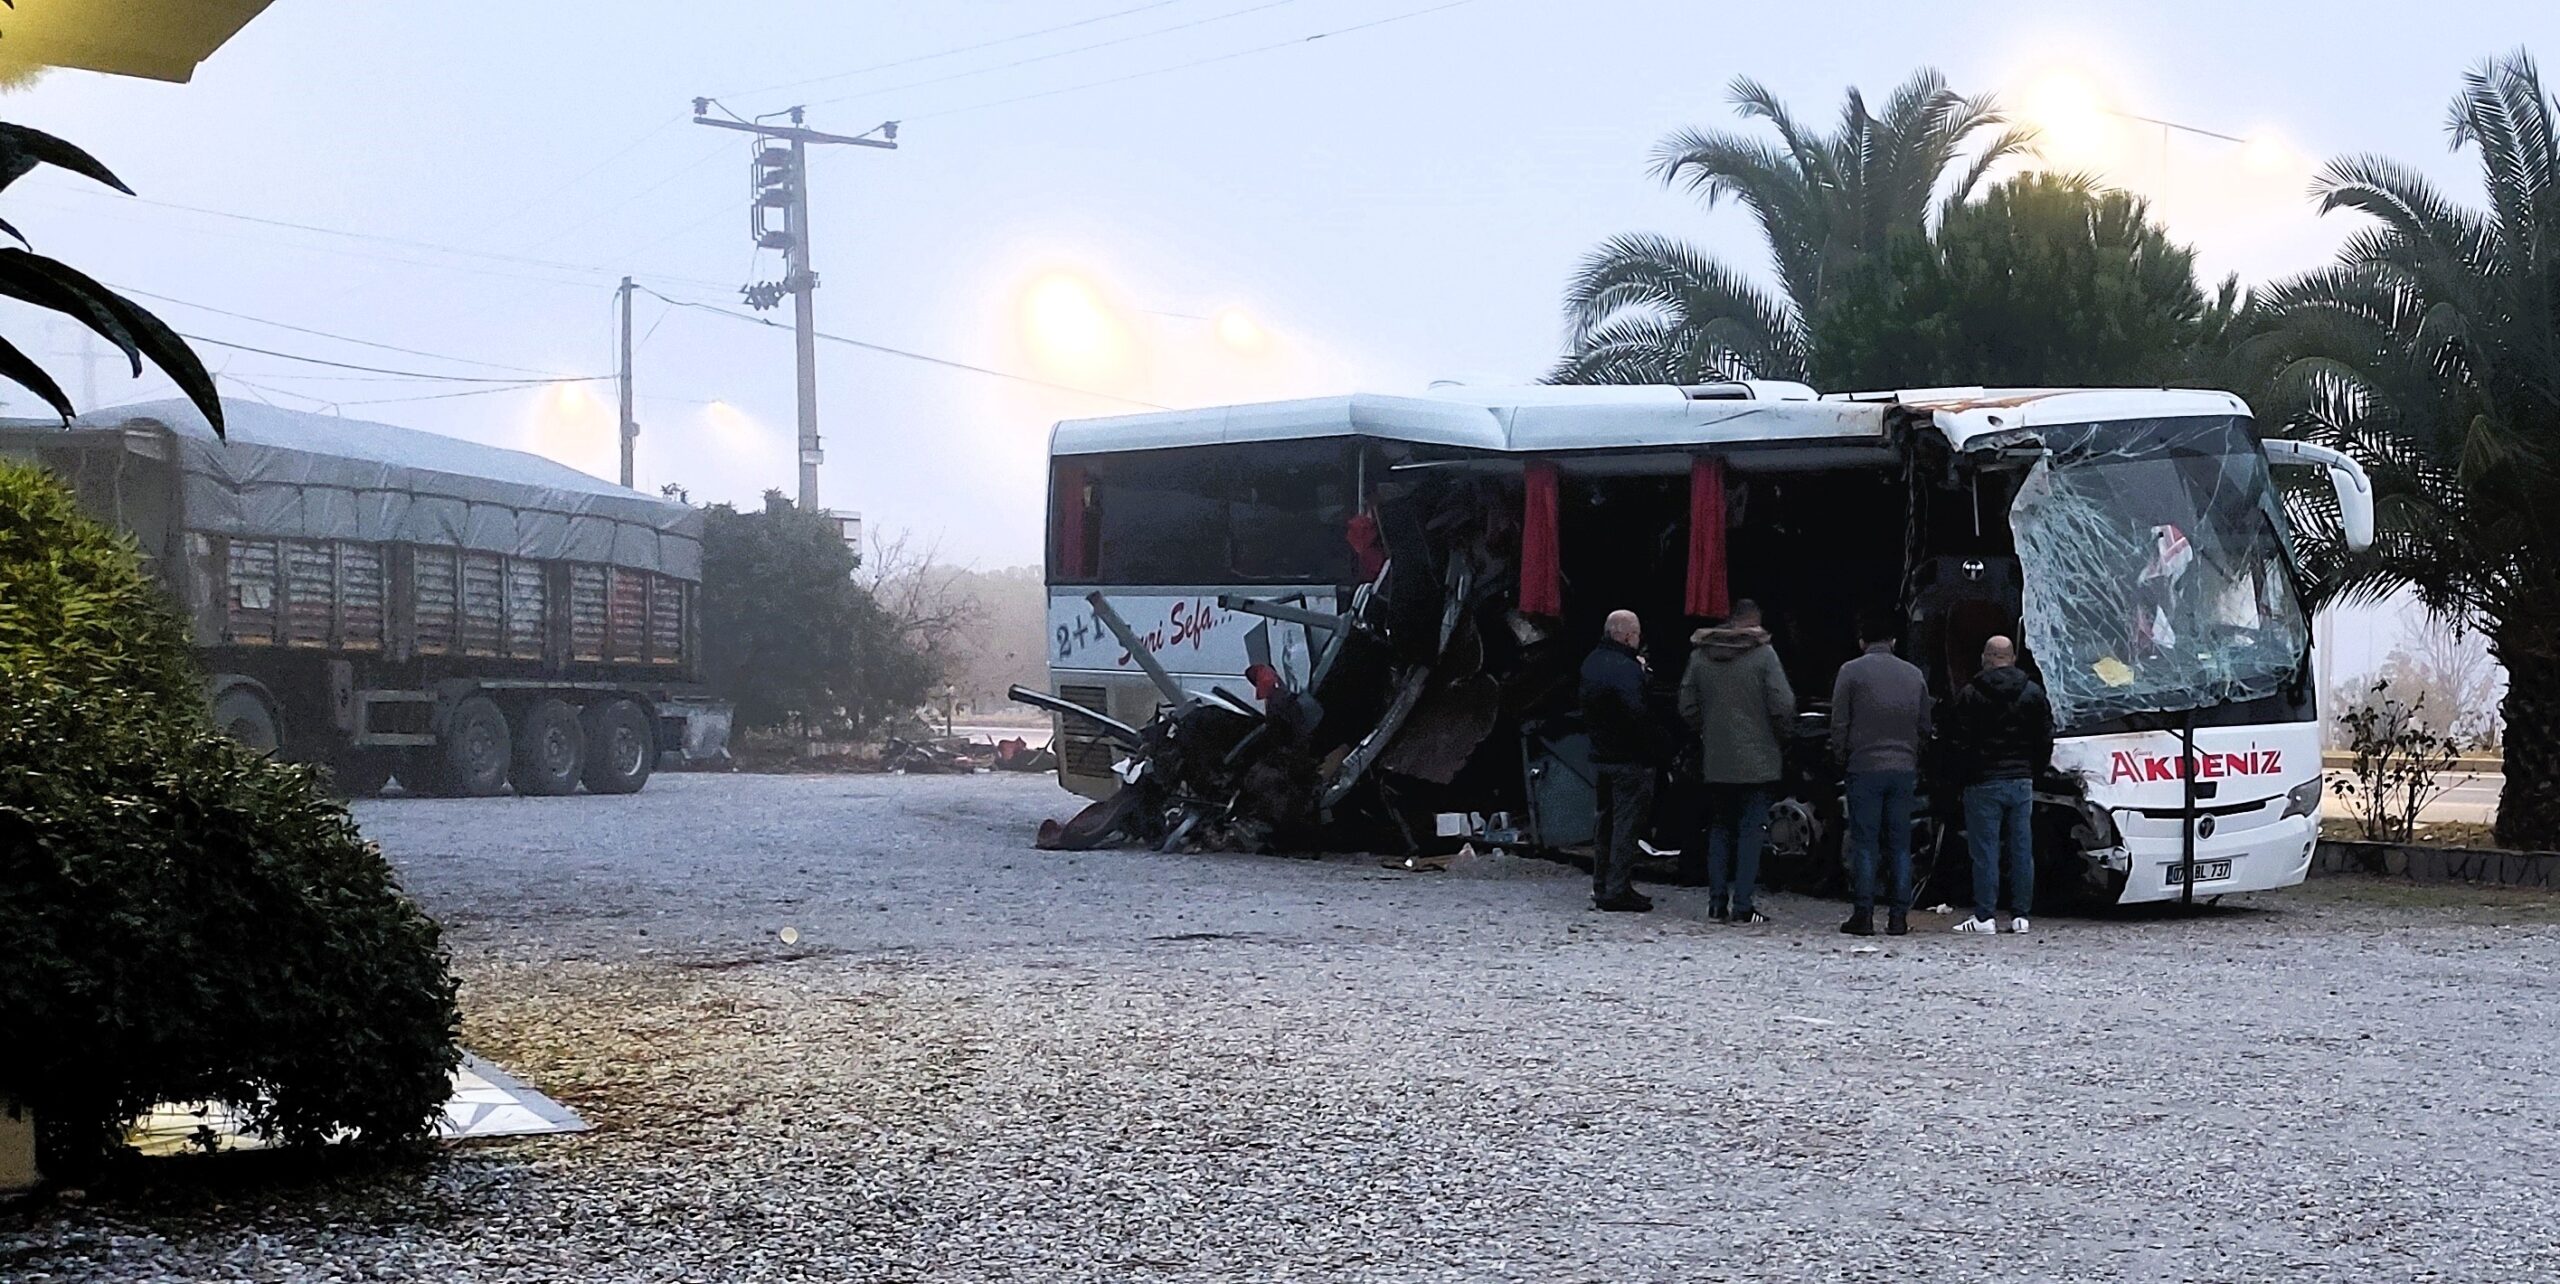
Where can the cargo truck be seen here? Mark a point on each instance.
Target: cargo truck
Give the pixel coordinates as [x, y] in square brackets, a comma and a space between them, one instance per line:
[397, 604]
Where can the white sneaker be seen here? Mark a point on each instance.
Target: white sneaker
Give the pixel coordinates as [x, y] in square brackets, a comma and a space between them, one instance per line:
[1982, 925]
[2019, 925]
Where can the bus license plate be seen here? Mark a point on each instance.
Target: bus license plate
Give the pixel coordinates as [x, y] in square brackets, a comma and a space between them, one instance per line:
[2207, 871]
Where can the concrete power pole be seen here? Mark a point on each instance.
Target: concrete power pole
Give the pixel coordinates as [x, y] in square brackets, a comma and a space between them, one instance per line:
[630, 426]
[782, 184]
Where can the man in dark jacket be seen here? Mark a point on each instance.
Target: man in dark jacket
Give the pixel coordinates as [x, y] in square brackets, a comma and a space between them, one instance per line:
[1736, 698]
[1879, 720]
[2001, 730]
[1627, 748]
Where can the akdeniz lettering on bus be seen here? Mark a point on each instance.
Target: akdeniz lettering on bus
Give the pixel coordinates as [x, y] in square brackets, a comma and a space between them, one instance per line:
[2130, 765]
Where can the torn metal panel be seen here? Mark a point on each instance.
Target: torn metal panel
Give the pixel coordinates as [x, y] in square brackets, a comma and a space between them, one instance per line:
[1454, 718]
[2156, 574]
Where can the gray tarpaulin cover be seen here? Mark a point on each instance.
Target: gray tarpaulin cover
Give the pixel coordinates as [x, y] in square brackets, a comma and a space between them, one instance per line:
[295, 475]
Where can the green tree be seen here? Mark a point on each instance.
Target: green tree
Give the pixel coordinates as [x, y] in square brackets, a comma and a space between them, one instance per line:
[2047, 281]
[1652, 309]
[181, 919]
[787, 632]
[2430, 351]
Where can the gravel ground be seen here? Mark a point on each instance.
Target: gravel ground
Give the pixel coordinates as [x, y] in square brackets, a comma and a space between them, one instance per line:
[981, 1062]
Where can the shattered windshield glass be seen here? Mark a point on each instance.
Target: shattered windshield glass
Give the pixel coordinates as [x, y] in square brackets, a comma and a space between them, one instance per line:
[2157, 574]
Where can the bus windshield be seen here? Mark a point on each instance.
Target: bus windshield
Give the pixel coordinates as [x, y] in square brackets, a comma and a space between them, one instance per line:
[2157, 573]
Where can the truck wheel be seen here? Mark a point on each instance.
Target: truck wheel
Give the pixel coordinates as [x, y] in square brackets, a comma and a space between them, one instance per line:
[551, 750]
[243, 715]
[474, 750]
[360, 773]
[621, 747]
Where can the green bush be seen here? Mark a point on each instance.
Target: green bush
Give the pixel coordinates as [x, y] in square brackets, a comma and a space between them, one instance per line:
[181, 920]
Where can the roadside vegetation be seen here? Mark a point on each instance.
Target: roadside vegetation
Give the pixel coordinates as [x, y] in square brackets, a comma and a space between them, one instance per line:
[181, 919]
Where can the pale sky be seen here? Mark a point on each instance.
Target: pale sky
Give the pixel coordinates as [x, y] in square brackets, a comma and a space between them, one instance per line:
[1377, 209]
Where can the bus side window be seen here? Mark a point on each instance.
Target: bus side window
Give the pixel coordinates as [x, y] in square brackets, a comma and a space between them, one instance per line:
[1291, 513]
[1163, 520]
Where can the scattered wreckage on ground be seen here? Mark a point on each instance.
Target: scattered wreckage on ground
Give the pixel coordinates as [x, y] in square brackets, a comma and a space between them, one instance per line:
[1357, 623]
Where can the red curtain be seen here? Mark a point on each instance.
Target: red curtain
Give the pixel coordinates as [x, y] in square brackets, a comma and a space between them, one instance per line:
[1066, 516]
[1708, 595]
[1541, 574]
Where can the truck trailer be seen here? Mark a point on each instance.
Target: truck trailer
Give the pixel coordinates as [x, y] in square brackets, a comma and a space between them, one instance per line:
[390, 603]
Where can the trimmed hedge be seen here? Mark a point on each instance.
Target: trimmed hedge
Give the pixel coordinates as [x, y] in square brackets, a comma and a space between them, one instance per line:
[181, 920]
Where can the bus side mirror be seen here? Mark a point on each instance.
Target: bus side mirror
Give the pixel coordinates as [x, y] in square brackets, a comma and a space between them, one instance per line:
[2346, 477]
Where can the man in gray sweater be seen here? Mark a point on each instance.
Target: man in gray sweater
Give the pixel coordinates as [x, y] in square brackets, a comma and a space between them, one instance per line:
[1879, 720]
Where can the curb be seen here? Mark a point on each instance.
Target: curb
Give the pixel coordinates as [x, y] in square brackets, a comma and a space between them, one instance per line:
[2422, 864]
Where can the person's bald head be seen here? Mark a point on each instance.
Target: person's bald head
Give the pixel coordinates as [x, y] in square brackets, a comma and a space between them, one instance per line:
[1624, 628]
[1999, 652]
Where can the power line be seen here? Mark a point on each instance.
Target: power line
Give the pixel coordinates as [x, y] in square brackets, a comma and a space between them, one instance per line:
[1197, 62]
[440, 396]
[582, 176]
[324, 334]
[1061, 53]
[420, 375]
[587, 268]
[886, 350]
[681, 171]
[946, 53]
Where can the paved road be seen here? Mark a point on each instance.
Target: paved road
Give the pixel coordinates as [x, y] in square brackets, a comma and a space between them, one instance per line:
[978, 1062]
[2470, 796]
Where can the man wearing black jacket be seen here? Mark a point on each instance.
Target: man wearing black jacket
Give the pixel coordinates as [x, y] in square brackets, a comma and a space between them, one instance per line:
[2001, 730]
[1628, 747]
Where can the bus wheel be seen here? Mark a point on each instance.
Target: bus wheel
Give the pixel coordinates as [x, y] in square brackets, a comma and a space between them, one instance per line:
[474, 750]
[243, 715]
[622, 746]
[551, 750]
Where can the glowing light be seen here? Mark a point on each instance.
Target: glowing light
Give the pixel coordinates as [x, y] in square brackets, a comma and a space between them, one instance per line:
[2265, 153]
[1072, 331]
[2070, 117]
[1240, 332]
[734, 429]
[570, 423]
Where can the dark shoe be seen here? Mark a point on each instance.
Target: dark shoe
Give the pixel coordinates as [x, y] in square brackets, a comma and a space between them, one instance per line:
[1718, 913]
[1747, 917]
[1897, 922]
[1861, 923]
[1630, 903]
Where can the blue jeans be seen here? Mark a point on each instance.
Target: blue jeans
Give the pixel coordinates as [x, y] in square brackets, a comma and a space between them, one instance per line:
[1737, 823]
[1996, 815]
[1880, 807]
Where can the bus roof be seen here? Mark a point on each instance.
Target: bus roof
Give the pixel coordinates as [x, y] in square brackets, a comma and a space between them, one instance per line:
[1547, 419]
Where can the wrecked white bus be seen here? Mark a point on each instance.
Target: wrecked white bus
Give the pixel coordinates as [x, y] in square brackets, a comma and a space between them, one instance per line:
[1355, 620]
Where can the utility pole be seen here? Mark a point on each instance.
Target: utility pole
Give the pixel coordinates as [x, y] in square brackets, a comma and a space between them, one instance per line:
[630, 426]
[781, 176]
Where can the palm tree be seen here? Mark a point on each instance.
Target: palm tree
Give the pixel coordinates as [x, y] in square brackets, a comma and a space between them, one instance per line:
[1645, 308]
[2430, 351]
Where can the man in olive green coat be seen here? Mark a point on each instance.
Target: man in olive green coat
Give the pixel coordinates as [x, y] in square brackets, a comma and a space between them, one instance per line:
[1735, 696]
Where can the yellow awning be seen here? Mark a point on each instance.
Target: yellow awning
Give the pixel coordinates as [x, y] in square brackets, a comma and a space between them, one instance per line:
[156, 39]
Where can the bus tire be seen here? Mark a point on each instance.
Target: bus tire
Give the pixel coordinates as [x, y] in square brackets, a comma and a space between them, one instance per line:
[473, 754]
[244, 715]
[622, 747]
[550, 750]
